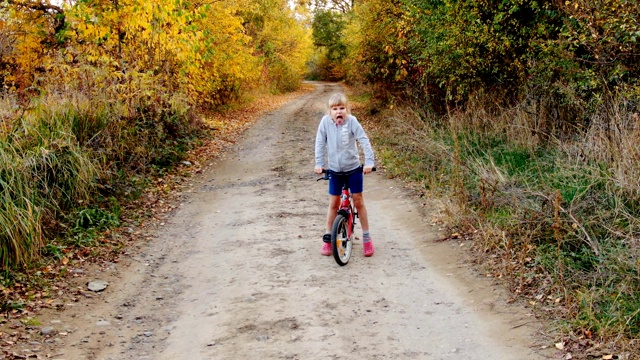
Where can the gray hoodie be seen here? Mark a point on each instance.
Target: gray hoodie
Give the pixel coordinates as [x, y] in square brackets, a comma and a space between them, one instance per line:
[339, 143]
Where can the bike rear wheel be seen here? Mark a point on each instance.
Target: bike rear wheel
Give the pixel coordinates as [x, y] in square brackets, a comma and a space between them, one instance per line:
[341, 244]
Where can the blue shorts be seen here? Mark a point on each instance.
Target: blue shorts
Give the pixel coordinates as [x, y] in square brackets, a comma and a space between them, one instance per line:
[355, 181]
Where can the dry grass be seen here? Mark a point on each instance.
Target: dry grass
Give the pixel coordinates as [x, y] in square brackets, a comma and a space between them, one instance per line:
[557, 220]
[75, 146]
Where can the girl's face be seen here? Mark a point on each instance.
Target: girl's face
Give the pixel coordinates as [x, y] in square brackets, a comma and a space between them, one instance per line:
[338, 114]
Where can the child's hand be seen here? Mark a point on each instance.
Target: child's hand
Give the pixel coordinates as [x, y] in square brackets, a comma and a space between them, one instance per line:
[367, 169]
[318, 170]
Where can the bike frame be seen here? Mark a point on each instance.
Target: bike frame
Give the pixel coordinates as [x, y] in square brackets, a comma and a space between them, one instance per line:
[346, 209]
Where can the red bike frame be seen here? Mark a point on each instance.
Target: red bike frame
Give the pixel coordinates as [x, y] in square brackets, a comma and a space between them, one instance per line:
[346, 209]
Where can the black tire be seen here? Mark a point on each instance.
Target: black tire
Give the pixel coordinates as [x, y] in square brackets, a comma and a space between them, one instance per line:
[341, 245]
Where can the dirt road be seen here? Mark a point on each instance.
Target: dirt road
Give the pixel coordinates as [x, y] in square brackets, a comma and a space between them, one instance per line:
[235, 273]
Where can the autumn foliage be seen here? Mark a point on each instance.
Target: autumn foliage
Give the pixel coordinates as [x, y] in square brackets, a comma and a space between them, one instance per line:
[94, 94]
[526, 114]
[209, 51]
[564, 56]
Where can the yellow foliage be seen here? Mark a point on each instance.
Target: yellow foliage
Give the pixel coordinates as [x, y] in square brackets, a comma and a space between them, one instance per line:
[210, 51]
[281, 40]
[23, 31]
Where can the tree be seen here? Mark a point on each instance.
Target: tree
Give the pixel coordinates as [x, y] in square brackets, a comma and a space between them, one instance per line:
[343, 6]
[279, 41]
[377, 43]
[328, 27]
[29, 33]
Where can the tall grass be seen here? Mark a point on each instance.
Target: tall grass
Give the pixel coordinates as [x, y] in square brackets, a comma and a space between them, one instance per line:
[20, 217]
[43, 172]
[555, 214]
[66, 151]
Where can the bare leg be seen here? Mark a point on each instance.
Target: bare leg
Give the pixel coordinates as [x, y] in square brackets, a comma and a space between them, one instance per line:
[367, 244]
[358, 201]
[332, 211]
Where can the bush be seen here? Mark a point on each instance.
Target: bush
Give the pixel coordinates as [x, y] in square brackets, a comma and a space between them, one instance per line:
[557, 223]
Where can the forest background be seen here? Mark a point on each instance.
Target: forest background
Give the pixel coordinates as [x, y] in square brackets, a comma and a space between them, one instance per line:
[523, 115]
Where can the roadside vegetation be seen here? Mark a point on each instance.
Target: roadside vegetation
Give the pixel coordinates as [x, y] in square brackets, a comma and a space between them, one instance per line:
[524, 116]
[101, 100]
[557, 229]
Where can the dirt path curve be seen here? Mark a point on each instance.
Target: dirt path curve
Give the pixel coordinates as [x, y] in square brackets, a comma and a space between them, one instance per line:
[235, 272]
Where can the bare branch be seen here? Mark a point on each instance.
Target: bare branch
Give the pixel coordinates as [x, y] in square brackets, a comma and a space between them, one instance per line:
[55, 12]
[37, 5]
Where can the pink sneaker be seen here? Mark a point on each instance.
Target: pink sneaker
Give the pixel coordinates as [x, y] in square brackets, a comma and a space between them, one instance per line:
[326, 246]
[367, 248]
[326, 249]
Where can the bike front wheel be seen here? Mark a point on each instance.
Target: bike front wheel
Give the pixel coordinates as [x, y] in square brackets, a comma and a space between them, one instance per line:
[341, 244]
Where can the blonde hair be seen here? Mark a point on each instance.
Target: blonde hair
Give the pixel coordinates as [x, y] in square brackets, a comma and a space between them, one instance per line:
[338, 99]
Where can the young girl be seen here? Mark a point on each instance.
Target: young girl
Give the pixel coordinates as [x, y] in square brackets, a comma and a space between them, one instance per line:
[336, 140]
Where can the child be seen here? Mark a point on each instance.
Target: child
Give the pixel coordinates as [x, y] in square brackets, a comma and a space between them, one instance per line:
[336, 137]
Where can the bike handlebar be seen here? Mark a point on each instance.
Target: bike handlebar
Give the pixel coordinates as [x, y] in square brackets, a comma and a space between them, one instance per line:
[326, 172]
